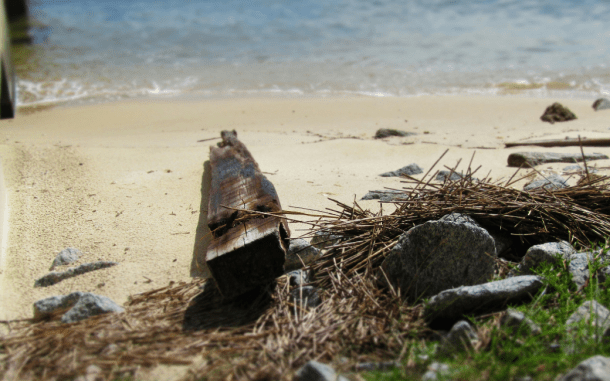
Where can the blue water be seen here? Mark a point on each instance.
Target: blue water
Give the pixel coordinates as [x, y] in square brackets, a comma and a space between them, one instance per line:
[95, 50]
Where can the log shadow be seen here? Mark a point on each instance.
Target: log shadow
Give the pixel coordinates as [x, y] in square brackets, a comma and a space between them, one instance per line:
[210, 310]
[203, 235]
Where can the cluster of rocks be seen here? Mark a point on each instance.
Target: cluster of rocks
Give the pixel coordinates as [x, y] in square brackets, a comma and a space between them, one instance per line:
[77, 305]
[450, 264]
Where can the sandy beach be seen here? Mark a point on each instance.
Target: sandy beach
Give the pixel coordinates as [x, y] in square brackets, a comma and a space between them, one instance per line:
[123, 181]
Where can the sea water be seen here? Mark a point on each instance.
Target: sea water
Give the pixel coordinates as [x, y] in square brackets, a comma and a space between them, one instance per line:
[99, 50]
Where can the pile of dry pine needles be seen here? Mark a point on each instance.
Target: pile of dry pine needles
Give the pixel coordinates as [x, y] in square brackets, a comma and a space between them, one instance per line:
[264, 335]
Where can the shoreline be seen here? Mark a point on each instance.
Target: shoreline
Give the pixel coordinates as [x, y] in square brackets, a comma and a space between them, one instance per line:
[123, 181]
[507, 90]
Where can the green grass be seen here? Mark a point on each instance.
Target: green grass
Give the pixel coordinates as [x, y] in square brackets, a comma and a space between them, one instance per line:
[508, 355]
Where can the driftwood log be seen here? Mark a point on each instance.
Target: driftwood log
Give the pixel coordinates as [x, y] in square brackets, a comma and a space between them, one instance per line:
[247, 250]
[572, 142]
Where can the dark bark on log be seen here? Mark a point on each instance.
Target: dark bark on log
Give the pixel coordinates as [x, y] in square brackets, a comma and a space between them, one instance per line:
[562, 143]
[532, 159]
[248, 249]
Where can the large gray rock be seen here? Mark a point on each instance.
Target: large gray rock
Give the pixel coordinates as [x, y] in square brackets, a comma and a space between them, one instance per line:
[532, 159]
[550, 182]
[74, 307]
[459, 218]
[66, 256]
[503, 242]
[601, 104]
[439, 255]
[461, 338]
[551, 252]
[300, 252]
[596, 368]
[449, 306]
[411, 169]
[57, 276]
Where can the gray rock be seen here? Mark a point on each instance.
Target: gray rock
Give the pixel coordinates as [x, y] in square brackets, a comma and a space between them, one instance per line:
[518, 323]
[442, 176]
[79, 306]
[55, 305]
[411, 169]
[315, 371]
[449, 306]
[579, 268]
[66, 256]
[573, 168]
[596, 368]
[299, 252]
[593, 313]
[601, 104]
[90, 305]
[299, 277]
[306, 296]
[459, 218]
[323, 239]
[532, 159]
[56, 277]
[550, 252]
[557, 113]
[439, 255]
[503, 242]
[550, 182]
[577, 168]
[372, 366]
[387, 132]
[383, 195]
[434, 370]
[461, 338]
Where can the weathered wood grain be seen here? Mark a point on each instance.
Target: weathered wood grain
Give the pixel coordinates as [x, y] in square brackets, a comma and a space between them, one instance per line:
[247, 250]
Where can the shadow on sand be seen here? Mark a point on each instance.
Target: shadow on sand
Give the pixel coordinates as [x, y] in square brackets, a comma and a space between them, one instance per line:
[210, 310]
[203, 236]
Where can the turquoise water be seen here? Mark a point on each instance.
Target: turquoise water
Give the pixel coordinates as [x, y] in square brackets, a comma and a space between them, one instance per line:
[96, 50]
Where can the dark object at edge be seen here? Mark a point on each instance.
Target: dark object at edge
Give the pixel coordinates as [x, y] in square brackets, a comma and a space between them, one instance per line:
[7, 74]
